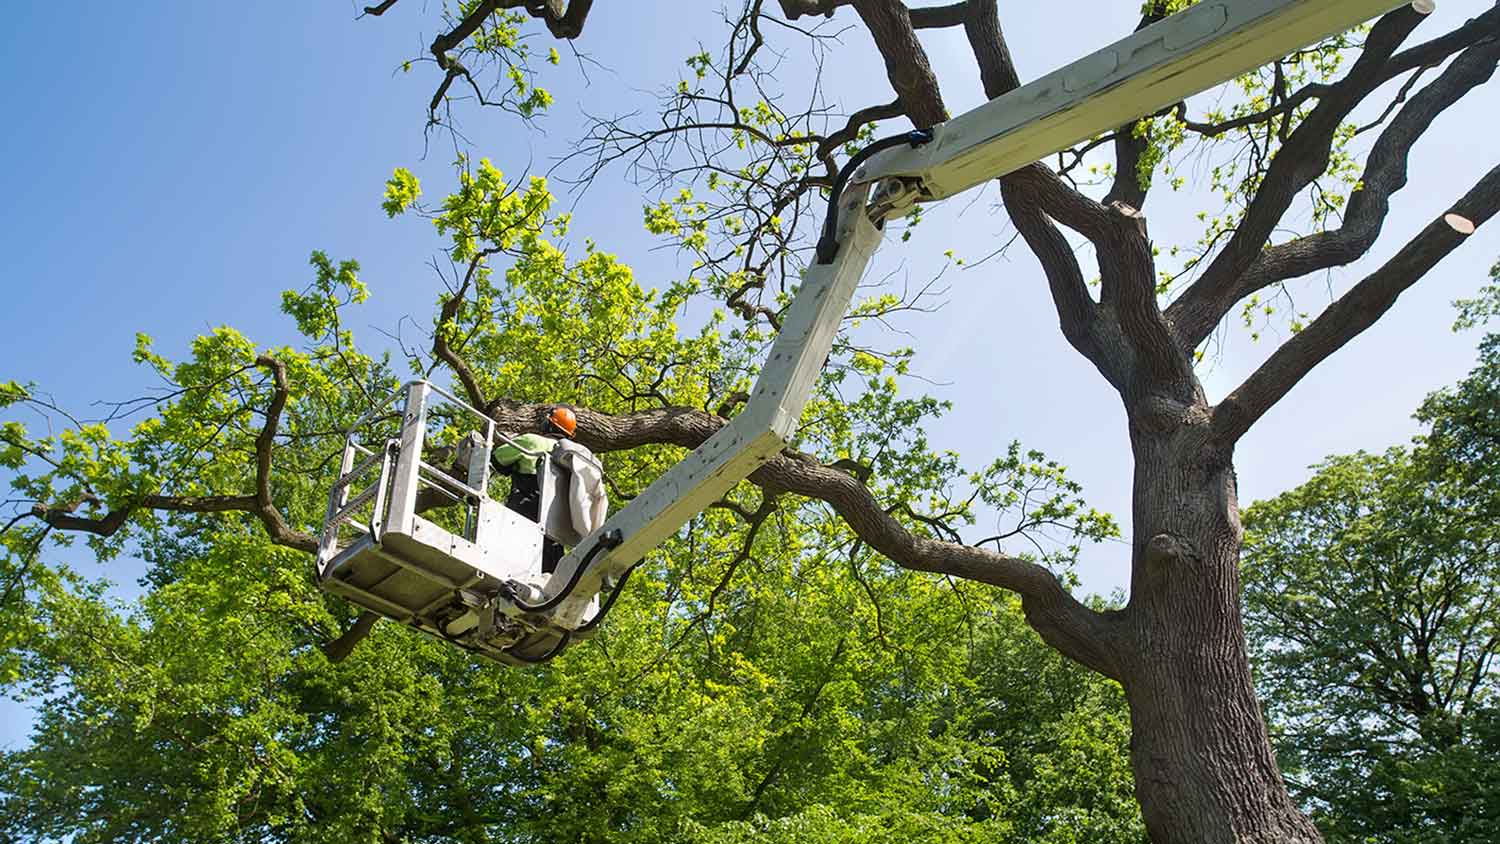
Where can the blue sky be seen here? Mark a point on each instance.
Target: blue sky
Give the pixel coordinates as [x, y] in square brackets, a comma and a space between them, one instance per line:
[169, 167]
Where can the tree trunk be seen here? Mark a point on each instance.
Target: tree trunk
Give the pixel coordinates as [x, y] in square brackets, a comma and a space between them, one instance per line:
[1204, 767]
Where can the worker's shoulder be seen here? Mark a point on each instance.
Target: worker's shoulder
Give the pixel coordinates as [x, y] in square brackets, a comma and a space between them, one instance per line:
[534, 442]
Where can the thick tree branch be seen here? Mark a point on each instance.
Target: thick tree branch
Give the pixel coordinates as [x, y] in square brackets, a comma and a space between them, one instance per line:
[1077, 313]
[337, 650]
[1354, 312]
[938, 17]
[1076, 630]
[258, 504]
[1127, 278]
[997, 69]
[1303, 157]
[1124, 251]
[1128, 187]
[906, 63]
[1479, 28]
[1385, 174]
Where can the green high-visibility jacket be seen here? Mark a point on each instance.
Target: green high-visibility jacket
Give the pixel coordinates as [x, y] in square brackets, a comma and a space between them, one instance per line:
[510, 458]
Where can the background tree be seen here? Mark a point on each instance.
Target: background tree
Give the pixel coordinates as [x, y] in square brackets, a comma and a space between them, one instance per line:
[741, 174]
[1371, 593]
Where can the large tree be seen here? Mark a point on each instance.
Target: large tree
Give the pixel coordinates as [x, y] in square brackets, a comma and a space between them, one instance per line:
[746, 175]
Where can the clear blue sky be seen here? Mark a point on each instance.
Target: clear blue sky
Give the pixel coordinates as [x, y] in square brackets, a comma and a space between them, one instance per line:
[170, 165]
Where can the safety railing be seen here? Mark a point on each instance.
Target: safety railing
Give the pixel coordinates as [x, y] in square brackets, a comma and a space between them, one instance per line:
[343, 507]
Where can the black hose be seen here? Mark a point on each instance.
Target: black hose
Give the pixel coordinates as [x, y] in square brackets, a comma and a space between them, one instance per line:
[608, 540]
[562, 642]
[609, 602]
[828, 243]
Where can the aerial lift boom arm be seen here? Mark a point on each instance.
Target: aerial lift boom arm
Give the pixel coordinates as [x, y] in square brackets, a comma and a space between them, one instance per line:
[1159, 65]
[1162, 64]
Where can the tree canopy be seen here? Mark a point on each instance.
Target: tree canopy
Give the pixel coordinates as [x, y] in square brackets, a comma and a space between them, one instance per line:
[1371, 596]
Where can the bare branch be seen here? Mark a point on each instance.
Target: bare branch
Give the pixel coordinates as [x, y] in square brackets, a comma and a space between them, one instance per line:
[1354, 312]
[1303, 157]
[1385, 174]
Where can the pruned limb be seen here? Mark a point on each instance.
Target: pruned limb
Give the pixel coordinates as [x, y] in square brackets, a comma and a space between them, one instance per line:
[337, 650]
[378, 9]
[561, 23]
[794, 9]
[1303, 157]
[565, 23]
[1196, 314]
[938, 17]
[1354, 312]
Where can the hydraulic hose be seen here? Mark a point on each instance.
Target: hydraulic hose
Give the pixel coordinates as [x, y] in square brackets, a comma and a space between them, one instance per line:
[609, 602]
[513, 650]
[828, 243]
[608, 540]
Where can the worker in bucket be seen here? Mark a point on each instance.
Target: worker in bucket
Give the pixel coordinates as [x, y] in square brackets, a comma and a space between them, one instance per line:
[518, 457]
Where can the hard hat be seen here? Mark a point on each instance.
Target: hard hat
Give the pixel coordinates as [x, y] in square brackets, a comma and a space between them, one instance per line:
[565, 420]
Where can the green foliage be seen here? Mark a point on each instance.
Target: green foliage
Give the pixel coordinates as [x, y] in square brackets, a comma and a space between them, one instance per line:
[1372, 593]
[1482, 308]
[773, 680]
[499, 44]
[402, 190]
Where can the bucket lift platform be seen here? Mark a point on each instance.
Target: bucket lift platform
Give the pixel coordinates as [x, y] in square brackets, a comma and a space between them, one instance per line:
[430, 547]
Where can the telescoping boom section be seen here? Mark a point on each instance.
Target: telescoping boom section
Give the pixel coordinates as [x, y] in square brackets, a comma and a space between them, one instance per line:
[478, 583]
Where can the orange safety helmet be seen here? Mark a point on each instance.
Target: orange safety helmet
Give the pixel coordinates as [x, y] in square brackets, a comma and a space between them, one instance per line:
[564, 420]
